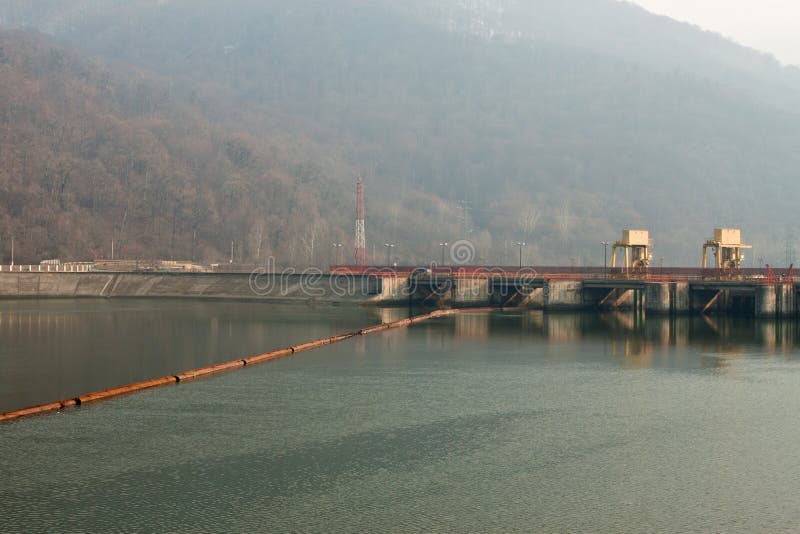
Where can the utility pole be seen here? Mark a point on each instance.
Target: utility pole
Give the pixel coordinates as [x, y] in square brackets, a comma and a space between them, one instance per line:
[444, 246]
[361, 215]
[389, 247]
[605, 257]
[520, 244]
[465, 208]
[231, 262]
[337, 247]
[12, 251]
[112, 249]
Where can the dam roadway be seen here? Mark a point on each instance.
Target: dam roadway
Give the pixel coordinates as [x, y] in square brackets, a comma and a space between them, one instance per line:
[756, 292]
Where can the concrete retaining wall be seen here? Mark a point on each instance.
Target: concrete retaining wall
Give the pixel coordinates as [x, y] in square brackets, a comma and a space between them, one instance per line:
[324, 288]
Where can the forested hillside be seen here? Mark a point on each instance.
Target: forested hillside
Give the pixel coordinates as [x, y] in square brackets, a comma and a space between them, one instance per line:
[87, 157]
[254, 119]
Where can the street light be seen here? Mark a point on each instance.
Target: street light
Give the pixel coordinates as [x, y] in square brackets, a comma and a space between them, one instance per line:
[520, 244]
[444, 246]
[605, 256]
[389, 247]
[337, 247]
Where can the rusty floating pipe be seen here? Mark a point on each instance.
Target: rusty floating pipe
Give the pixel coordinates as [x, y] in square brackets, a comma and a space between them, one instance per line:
[210, 370]
[224, 367]
[268, 356]
[122, 390]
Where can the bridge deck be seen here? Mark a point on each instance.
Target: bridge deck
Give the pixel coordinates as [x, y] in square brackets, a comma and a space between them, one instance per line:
[590, 276]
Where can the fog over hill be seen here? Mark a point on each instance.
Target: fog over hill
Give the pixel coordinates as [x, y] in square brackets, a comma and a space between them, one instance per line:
[559, 121]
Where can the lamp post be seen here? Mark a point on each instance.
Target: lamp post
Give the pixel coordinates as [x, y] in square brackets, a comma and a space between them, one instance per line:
[520, 244]
[605, 257]
[337, 247]
[444, 246]
[389, 247]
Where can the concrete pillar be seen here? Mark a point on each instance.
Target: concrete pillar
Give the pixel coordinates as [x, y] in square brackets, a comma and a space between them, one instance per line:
[657, 297]
[563, 295]
[766, 301]
[785, 301]
[394, 289]
[681, 303]
[472, 292]
[536, 299]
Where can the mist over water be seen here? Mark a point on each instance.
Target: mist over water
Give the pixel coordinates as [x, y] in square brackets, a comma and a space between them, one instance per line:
[476, 422]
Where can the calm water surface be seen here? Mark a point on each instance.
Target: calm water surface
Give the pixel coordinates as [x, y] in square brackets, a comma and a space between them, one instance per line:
[56, 349]
[491, 422]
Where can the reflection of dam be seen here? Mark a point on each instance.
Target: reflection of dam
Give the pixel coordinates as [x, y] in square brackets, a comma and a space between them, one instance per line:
[634, 338]
[471, 326]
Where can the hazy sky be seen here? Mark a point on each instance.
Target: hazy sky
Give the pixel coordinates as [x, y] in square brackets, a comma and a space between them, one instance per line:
[768, 25]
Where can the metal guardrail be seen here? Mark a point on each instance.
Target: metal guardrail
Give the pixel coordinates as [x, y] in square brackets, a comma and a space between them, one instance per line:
[48, 268]
[680, 274]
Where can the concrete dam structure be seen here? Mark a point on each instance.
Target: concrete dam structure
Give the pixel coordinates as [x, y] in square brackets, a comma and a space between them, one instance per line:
[287, 287]
[734, 297]
[665, 294]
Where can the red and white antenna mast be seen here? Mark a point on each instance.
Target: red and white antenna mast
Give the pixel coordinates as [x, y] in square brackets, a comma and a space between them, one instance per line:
[361, 235]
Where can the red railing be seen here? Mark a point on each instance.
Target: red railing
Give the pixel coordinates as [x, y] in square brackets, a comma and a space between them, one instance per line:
[766, 275]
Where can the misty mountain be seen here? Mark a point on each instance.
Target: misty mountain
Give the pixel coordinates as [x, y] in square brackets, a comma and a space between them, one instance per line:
[559, 122]
[620, 30]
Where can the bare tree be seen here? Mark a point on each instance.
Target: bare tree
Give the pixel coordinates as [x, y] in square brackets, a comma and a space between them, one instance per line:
[309, 240]
[529, 220]
[563, 221]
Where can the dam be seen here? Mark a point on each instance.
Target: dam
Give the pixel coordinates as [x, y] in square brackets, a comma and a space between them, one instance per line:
[753, 292]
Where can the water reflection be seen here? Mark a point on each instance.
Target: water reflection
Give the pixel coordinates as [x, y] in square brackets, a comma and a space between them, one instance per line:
[50, 350]
[636, 340]
[494, 422]
[57, 349]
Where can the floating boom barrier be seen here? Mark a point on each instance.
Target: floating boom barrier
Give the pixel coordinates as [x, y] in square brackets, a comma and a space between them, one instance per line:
[226, 366]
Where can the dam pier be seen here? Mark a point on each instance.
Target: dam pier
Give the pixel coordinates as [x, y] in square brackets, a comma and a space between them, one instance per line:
[704, 292]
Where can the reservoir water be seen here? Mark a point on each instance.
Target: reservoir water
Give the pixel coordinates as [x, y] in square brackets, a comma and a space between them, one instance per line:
[490, 422]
